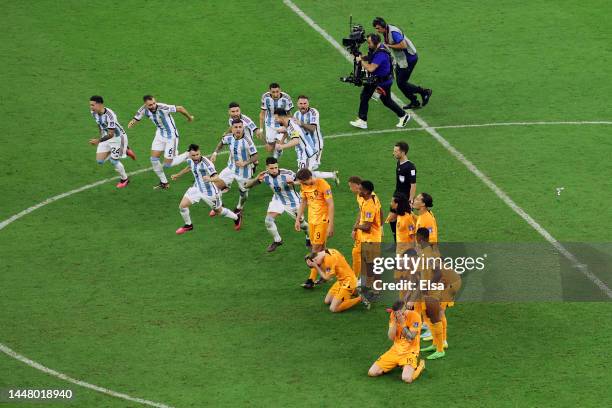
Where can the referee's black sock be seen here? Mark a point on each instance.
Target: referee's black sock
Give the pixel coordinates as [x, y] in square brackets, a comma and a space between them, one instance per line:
[393, 225]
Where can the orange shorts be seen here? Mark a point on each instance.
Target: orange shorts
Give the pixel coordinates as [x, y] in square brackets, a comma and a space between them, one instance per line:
[392, 359]
[318, 233]
[343, 290]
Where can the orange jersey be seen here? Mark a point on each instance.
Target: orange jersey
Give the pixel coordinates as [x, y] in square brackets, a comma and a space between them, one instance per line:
[335, 263]
[358, 232]
[406, 228]
[316, 194]
[412, 321]
[427, 220]
[370, 212]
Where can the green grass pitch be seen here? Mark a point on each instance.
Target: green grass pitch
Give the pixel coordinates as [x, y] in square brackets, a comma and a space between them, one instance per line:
[98, 286]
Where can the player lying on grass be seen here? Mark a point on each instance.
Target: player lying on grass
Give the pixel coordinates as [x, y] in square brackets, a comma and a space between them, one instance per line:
[284, 200]
[204, 188]
[404, 331]
[328, 263]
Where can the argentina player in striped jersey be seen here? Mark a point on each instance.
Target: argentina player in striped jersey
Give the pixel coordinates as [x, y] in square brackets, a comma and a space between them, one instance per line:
[166, 134]
[250, 128]
[270, 101]
[203, 189]
[112, 141]
[284, 200]
[309, 120]
[242, 156]
[304, 147]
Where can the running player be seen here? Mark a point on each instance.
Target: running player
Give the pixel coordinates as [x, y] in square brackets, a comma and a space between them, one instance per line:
[304, 148]
[404, 331]
[166, 134]
[308, 119]
[339, 297]
[270, 101]
[112, 141]
[284, 200]
[317, 196]
[204, 188]
[243, 154]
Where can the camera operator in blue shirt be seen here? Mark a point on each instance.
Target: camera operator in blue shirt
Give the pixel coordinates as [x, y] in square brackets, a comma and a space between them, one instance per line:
[378, 63]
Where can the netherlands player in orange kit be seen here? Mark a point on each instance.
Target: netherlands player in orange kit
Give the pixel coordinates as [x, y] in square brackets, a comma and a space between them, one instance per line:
[316, 194]
[423, 203]
[354, 183]
[369, 225]
[405, 223]
[328, 263]
[404, 331]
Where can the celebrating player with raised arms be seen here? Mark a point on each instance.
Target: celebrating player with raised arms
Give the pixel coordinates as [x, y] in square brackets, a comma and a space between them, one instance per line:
[270, 101]
[204, 189]
[242, 156]
[112, 141]
[166, 134]
[284, 200]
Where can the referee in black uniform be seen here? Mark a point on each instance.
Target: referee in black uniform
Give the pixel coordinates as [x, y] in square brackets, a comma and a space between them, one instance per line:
[405, 179]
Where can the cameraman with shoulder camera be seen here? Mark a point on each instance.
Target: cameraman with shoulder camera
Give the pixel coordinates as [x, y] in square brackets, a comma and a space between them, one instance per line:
[406, 58]
[378, 64]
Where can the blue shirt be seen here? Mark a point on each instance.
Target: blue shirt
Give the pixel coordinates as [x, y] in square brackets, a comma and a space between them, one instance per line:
[383, 60]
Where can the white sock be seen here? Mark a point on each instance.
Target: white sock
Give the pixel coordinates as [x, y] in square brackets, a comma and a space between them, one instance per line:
[180, 158]
[271, 227]
[323, 174]
[229, 214]
[185, 214]
[119, 169]
[243, 197]
[159, 170]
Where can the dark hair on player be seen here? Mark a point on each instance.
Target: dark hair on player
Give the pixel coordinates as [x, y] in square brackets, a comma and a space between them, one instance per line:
[303, 174]
[427, 200]
[193, 148]
[303, 97]
[375, 38]
[397, 305]
[355, 180]
[379, 21]
[271, 160]
[367, 185]
[403, 206]
[233, 105]
[147, 98]
[403, 146]
[236, 121]
[274, 85]
[280, 112]
[423, 234]
[97, 99]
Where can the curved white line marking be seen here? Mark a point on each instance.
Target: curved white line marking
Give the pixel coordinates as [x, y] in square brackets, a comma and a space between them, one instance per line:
[8, 351]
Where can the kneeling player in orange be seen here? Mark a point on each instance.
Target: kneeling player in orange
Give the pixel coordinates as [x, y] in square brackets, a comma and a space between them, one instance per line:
[331, 262]
[404, 331]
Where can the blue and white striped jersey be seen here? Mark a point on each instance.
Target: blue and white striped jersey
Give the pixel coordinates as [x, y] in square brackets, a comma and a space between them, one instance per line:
[200, 169]
[305, 148]
[239, 150]
[108, 120]
[249, 126]
[269, 104]
[162, 118]
[283, 190]
[311, 117]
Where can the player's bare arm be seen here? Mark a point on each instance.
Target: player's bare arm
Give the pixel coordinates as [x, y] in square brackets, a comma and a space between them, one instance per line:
[365, 227]
[309, 127]
[132, 123]
[180, 173]
[218, 148]
[292, 143]
[330, 216]
[300, 214]
[412, 194]
[183, 111]
[109, 135]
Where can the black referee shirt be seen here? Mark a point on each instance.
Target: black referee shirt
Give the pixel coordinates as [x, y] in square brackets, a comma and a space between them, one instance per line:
[405, 176]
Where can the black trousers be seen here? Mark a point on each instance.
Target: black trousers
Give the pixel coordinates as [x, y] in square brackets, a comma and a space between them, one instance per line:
[385, 96]
[402, 75]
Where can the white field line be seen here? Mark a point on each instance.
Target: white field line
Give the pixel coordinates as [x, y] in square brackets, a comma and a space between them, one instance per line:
[80, 383]
[459, 156]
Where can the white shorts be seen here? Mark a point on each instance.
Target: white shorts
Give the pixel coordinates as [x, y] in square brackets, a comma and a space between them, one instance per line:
[272, 135]
[276, 206]
[228, 176]
[194, 195]
[163, 144]
[310, 163]
[117, 146]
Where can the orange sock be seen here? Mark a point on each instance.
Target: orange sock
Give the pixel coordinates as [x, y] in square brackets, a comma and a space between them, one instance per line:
[357, 260]
[418, 370]
[437, 332]
[444, 323]
[313, 274]
[348, 304]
